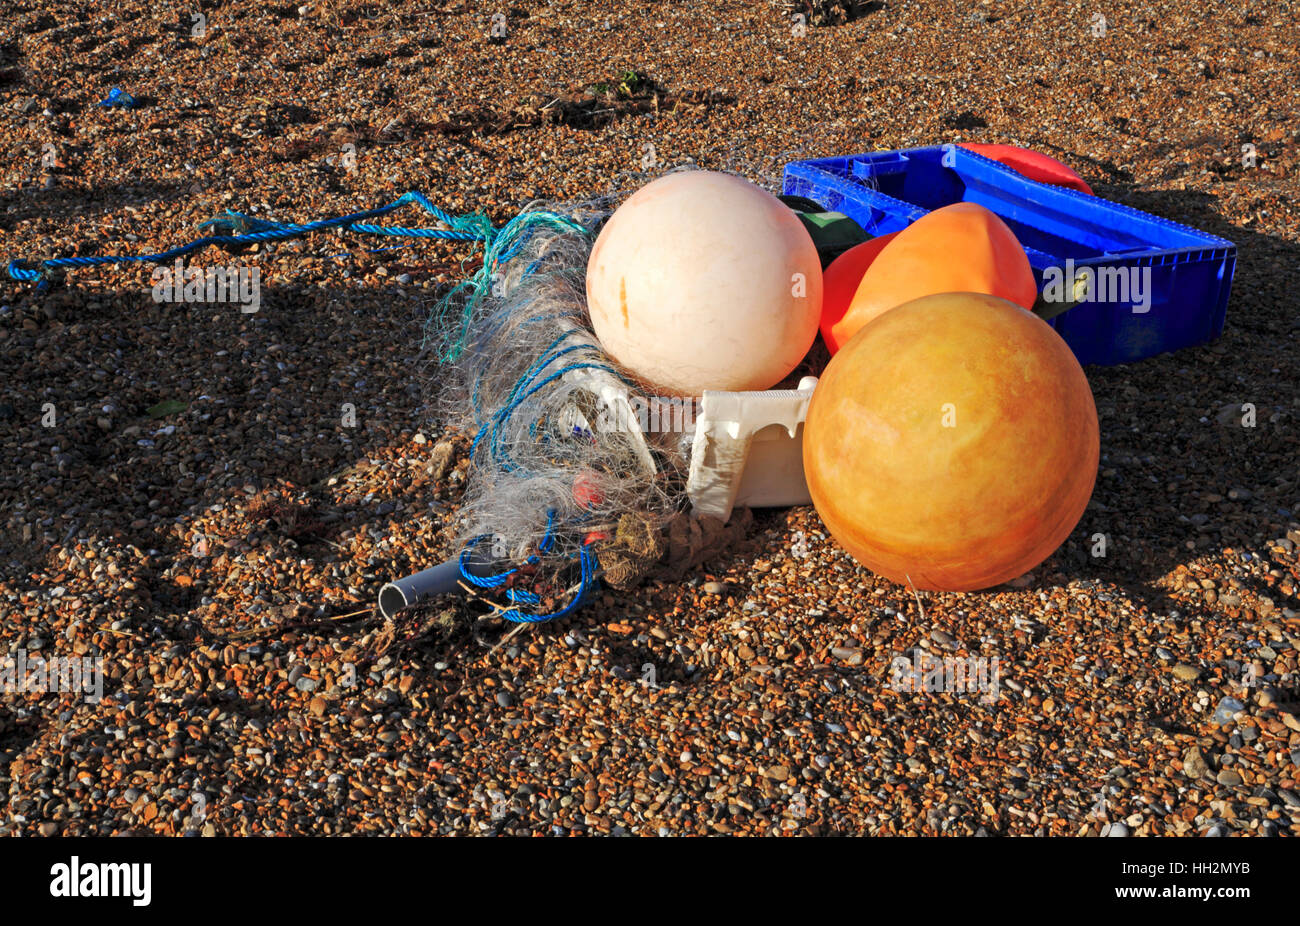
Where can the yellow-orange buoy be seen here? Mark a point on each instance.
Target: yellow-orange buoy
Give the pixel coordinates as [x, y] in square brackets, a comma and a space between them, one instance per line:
[952, 442]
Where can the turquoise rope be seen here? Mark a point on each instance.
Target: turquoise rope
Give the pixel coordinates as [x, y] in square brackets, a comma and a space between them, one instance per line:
[503, 245]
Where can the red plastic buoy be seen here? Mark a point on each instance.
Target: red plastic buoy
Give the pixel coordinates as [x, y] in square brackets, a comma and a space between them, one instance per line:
[840, 282]
[1033, 164]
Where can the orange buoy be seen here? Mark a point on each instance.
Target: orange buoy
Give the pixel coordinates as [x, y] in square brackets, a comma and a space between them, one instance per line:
[953, 442]
[840, 282]
[959, 248]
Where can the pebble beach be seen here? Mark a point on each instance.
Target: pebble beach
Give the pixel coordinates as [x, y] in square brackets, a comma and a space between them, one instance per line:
[208, 500]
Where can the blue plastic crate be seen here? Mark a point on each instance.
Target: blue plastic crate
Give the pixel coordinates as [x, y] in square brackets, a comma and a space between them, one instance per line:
[1190, 272]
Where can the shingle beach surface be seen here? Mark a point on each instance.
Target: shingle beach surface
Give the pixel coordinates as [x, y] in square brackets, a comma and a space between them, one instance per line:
[181, 495]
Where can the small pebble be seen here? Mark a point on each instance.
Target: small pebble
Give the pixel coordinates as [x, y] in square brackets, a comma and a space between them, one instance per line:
[1228, 778]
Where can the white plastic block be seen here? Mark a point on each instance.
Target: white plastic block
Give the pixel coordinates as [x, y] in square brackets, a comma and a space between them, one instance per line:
[748, 450]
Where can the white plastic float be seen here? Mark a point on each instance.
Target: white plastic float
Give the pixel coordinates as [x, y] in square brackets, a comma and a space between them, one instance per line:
[748, 450]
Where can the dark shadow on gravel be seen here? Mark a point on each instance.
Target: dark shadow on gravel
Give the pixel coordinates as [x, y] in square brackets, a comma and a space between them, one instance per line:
[1180, 474]
[256, 421]
[64, 204]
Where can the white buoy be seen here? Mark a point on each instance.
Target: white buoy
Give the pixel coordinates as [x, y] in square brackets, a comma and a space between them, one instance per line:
[703, 280]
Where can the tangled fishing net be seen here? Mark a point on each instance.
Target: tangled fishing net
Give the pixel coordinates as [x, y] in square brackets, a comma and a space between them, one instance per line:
[567, 481]
[574, 476]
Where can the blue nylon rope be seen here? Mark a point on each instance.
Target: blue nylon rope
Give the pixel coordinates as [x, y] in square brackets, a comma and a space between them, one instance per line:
[587, 564]
[499, 245]
[504, 414]
[512, 401]
[251, 230]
